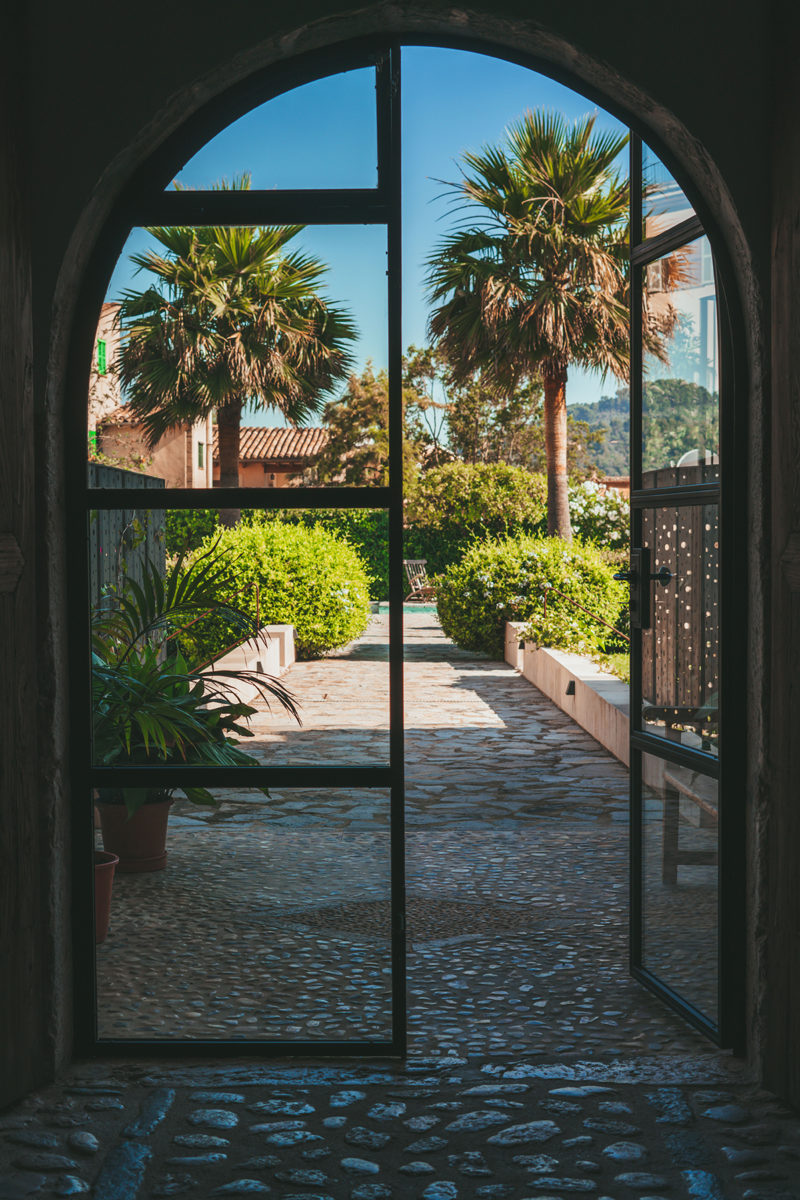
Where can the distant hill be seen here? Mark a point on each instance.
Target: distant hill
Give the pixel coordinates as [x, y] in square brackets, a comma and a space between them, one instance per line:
[677, 416]
[612, 414]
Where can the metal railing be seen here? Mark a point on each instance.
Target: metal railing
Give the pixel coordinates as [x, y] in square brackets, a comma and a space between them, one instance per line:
[549, 588]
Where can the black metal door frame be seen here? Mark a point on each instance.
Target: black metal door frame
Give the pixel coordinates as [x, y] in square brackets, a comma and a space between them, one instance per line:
[728, 769]
[144, 202]
[149, 204]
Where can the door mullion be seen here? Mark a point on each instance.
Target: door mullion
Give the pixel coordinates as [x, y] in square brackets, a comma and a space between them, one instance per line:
[635, 460]
[389, 123]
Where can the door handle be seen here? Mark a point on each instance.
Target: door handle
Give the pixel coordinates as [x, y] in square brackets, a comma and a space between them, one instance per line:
[663, 576]
[639, 577]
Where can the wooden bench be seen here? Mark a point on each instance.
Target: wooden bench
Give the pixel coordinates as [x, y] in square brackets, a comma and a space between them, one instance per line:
[421, 589]
[702, 791]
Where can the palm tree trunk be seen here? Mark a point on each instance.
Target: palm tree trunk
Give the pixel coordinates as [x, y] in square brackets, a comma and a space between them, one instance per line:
[555, 441]
[229, 419]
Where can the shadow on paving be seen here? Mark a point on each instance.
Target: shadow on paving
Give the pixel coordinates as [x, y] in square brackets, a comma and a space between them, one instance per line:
[272, 919]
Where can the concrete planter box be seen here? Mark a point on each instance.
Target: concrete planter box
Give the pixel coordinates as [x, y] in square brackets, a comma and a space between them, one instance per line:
[599, 703]
[514, 647]
[273, 658]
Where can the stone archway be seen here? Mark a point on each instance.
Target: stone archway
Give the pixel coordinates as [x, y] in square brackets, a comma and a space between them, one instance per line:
[584, 63]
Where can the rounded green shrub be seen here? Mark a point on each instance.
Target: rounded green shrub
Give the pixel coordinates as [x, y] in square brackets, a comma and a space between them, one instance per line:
[366, 529]
[508, 580]
[308, 578]
[458, 504]
[478, 500]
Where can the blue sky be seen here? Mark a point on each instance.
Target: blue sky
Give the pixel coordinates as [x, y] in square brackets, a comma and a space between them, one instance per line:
[324, 135]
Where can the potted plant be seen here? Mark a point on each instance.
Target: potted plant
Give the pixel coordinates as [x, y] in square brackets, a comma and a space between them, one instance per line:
[156, 701]
[104, 866]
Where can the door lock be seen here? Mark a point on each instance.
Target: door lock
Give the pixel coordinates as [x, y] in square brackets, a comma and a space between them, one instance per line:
[639, 577]
[663, 576]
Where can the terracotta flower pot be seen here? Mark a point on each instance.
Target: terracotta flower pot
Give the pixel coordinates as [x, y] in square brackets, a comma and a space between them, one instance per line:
[139, 842]
[104, 866]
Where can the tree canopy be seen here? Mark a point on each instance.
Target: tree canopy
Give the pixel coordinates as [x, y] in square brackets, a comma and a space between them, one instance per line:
[535, 279]
[232, 317]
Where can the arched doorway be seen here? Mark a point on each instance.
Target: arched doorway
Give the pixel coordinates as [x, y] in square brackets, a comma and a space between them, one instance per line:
[376, 206]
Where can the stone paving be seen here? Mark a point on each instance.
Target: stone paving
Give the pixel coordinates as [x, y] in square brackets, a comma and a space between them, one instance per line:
[537, 1067]
[517, 878]
[440, 1128]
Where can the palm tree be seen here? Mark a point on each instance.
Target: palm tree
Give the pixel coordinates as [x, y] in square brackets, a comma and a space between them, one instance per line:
[233, 318]
[536, 280]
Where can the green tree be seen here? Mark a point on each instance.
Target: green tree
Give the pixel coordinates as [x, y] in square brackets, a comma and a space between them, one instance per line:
[357, 451]
[476, 423]
[491, 428]
[427, 407]
[677, 416]
[232, 319]
[537, 282]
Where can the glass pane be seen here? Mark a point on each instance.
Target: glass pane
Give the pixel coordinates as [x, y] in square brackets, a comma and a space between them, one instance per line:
[680, 387]
[250, 644]
[320, 135]
[680, 650]
[269, 918]
[680, 876]
[663, 202]
[200, 347]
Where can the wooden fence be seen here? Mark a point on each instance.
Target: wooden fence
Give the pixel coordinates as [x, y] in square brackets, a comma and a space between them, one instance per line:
[680, 651]
[122, 540]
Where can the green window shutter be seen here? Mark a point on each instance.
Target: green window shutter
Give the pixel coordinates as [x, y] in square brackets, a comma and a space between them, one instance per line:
[101, 357]
[200, 455]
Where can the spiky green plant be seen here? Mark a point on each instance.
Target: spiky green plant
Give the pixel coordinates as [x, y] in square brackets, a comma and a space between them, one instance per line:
[152, 704]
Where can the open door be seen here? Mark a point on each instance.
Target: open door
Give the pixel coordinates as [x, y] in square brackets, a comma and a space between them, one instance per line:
[686, 897]
[230, 978]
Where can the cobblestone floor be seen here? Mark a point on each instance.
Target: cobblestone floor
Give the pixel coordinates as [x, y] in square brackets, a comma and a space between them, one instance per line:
[272, 919]
[537, 1067]
[440, 1128]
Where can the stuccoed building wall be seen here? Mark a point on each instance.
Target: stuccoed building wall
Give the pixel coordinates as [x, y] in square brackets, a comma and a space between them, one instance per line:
[89, 93]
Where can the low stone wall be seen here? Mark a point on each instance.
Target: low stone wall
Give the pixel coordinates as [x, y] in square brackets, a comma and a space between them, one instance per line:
[272, 656]
[597, 701]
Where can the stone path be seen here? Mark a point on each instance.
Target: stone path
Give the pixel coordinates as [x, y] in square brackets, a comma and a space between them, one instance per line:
[272, 919]
[536, 1068]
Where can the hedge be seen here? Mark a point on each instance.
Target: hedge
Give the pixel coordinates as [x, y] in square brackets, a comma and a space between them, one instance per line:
[309, 578]
[507, 580]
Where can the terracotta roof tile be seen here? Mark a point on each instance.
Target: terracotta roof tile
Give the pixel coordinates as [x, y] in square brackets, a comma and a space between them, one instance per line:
[257, 443]
[122, 415]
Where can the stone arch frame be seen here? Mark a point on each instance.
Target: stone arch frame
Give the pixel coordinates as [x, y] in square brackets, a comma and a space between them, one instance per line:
[221, 96]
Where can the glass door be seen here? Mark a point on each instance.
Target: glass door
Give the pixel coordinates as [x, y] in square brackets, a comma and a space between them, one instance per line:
[682, 899]
[274, 920]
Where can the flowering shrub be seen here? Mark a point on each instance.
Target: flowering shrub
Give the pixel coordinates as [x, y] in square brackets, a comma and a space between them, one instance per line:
[508, 579]
[600, 515]
[308, 578]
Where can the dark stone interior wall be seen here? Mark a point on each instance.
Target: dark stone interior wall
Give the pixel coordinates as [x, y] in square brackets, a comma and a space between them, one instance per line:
[33, 855]
[95, 92]
[779, 928]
